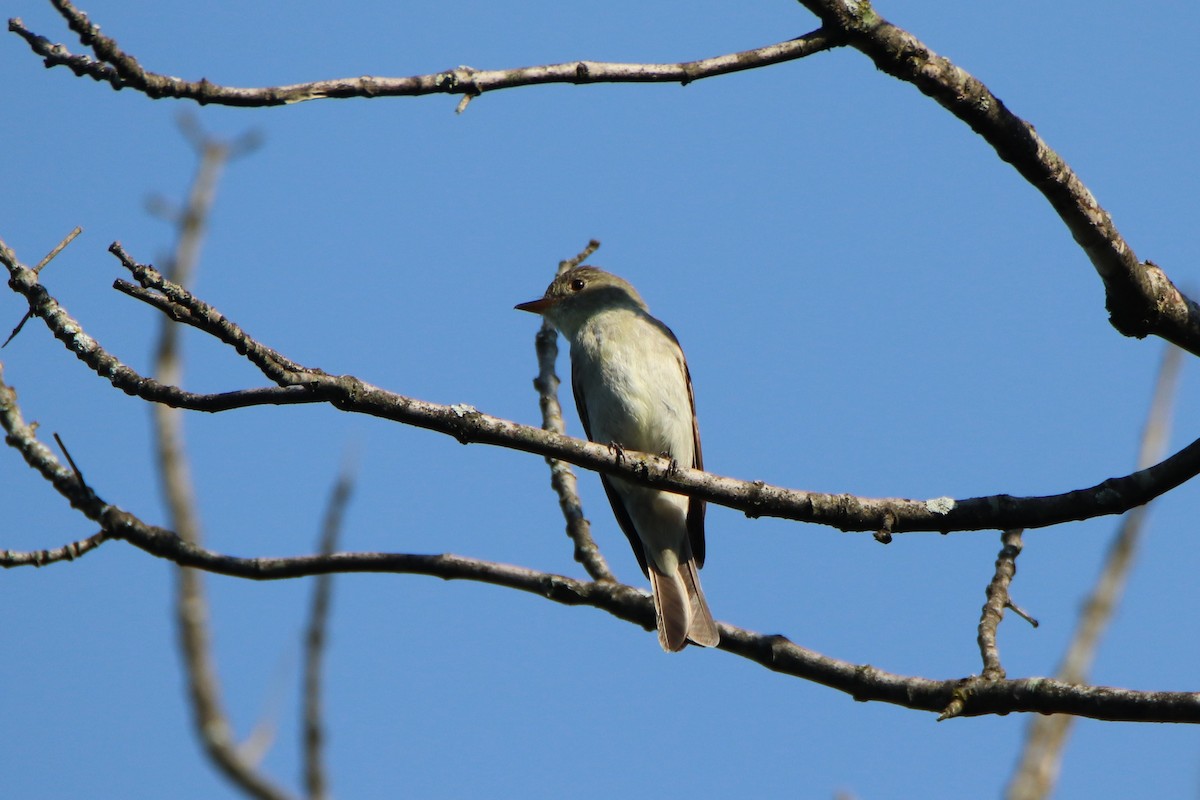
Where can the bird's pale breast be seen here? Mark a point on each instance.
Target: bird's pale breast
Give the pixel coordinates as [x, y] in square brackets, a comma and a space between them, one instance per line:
[634, 384]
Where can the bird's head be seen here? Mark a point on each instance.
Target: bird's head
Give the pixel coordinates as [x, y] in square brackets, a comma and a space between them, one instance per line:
[579, 293]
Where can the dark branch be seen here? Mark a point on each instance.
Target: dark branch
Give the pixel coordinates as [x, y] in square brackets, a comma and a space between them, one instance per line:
[1141, 300]
[777, 653]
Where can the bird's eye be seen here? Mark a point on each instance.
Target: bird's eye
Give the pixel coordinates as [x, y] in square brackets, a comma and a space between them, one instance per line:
[578, 284]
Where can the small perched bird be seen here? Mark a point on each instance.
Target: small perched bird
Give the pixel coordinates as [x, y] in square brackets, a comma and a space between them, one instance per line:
[633, 390]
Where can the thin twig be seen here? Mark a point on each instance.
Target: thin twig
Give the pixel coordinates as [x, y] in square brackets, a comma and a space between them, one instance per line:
[1037, 768]
[40, 558]
[562, 478]
[71, 461]
[46, 259]
[58, 248]
[1022, 613]
[997, 601]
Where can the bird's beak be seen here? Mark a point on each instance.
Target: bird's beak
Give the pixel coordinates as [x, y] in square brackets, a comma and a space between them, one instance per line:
[535, 306]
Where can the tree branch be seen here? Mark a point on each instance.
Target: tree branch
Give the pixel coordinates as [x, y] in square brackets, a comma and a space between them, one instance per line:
[120, 70]
[1141, 299]
[863, 682]
[997, 601]
[989, 623]
[298, 384]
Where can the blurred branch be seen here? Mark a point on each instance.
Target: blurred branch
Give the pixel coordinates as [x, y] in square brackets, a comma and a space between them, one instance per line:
[862, 682]
[562, 478]
[120, 70]
[1037, 769]
[191, 605]
[299, 384]
[315, 779]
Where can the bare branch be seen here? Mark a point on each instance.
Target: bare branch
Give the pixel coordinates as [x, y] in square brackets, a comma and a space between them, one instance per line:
[113, 66]
[755, 498]
[315, 781]
[863, 682]
[1141, 300]
[989, 622]
[997, 601]
[777, 653]
[562, 478]
[1037, 769]
[1140, 297]
[201, 315]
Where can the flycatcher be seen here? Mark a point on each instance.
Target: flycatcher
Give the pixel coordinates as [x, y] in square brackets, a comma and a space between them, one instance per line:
[633, 390]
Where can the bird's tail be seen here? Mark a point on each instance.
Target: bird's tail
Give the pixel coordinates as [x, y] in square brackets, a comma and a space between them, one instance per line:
[680, 608]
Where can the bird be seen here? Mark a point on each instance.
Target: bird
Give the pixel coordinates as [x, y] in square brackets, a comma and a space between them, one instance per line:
[633, 391]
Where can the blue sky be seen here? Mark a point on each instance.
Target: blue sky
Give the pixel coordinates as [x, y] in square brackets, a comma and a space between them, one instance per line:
[871, 302]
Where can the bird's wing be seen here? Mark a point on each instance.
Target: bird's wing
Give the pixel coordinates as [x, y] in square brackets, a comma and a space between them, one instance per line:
[696, 506]
[614, 499]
